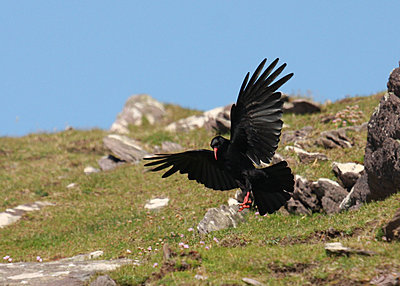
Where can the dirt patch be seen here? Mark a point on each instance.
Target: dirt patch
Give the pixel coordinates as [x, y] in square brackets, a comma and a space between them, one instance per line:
[281, 271]
[317, 236]
[182, 262]
[336, 279]
[86, 146]
[234, 241]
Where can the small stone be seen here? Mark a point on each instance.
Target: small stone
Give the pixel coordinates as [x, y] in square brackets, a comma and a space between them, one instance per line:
[200, 277]
[90, 170]
[156, 203]
[251, 281]
[72, 185]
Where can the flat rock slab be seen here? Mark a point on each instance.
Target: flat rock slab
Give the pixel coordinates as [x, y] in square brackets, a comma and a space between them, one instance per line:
[336, 248]
[62, 272]
[10, 216]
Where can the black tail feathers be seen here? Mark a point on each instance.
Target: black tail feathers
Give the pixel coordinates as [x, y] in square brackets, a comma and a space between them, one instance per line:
[272, 190]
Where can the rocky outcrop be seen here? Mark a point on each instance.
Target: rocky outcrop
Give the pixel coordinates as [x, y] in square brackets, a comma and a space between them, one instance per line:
[221, 218]
[124, 148]
[301, 106]
[217, 118]
[347, 173]
[136, 108]
[382, 153]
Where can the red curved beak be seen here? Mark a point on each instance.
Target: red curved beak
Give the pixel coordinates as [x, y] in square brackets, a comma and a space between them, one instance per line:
[215, 152]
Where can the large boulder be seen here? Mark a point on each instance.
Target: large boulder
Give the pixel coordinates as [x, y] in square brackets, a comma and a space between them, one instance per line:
[382, 153]
[136, 108]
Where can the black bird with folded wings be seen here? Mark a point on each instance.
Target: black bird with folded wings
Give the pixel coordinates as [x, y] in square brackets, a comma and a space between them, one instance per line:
[255, 130]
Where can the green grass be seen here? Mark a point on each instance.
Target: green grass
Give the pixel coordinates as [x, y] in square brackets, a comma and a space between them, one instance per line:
[105, 211]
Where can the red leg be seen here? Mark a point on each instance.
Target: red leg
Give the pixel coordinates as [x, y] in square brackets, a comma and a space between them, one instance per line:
[246, 202]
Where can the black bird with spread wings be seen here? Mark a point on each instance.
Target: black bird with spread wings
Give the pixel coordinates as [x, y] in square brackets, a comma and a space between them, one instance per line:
[255, 130]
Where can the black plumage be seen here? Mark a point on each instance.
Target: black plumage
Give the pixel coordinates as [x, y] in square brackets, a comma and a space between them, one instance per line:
[255, 130]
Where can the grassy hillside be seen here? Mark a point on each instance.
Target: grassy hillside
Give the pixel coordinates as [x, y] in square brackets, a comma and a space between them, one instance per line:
[105, 212]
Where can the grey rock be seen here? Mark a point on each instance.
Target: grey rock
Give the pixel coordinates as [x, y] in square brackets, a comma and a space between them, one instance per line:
[330, 193]
[301, 106]
[90, 170]
[294, 206]
[358, 194]
[304, 194]
[347, 173]
[392, 228]
[221, 123]
[124, 148]
[295, 136]
[307, 157]
[109, 162]
[135, 109]
[168, 147]
[334, 139]
[207, 120]
[103, 280]
[221, 218]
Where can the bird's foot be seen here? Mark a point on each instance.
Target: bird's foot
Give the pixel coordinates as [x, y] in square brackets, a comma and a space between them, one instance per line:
[246, 202]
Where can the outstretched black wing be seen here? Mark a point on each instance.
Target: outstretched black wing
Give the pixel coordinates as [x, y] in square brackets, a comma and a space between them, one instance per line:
[200, 165]
[256, 117]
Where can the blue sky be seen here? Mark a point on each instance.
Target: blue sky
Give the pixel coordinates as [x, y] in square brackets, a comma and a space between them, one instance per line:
[76, 62]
